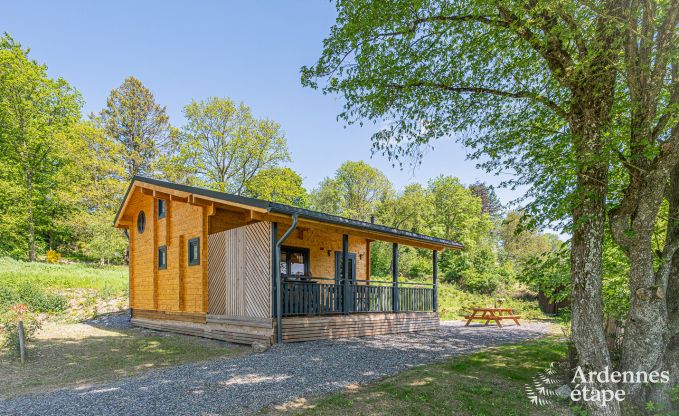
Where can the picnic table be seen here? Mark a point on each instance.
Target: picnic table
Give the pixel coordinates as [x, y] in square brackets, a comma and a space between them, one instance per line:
[492, 314]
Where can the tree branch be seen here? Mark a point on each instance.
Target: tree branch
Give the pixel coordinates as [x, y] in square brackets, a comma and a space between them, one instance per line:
[522, 95]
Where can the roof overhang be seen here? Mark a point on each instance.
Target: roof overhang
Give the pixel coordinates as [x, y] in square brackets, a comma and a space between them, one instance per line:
[258, 209]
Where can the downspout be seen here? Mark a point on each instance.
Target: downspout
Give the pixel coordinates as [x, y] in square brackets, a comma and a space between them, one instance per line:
[277, 271]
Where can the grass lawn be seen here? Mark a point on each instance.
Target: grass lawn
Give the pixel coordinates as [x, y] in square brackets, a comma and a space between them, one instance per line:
[66, 355]
[68, 291]
[109, 281]
[487, 383]
[454, 303]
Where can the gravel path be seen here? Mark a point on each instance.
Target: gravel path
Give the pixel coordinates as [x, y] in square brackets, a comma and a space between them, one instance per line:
[244, 385]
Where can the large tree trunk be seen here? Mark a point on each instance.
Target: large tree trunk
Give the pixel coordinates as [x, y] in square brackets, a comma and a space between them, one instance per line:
[31, 217]
[586, 258]
[646, 329]
[661, 393]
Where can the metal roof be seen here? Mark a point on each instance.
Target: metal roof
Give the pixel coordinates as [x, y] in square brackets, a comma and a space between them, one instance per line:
[291, 210]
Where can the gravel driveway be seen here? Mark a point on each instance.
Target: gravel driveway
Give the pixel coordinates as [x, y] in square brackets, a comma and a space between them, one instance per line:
[243, 385]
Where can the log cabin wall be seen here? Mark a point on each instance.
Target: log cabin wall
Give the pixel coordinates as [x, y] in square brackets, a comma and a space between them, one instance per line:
[179, 288]
[318, 241]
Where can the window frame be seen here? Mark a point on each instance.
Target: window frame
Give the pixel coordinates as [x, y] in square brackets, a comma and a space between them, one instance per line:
[196, 261]
[162, 213]
[141, 222]
[163, 250]
[289, 250]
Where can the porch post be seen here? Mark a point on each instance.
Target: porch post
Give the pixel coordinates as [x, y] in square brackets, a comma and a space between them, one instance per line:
[394, 274]
[277, 276]
[346, 293]
[275, 263]
[435, 272]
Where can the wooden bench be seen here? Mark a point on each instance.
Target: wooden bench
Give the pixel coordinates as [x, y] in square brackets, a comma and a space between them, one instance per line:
[492, 314]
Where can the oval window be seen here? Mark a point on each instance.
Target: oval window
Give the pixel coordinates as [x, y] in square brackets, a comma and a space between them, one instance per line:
[141, 222]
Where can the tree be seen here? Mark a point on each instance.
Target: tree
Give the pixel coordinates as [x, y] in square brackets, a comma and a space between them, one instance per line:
[410, 210]
[94, 187]
[134, 119]
[223, 146]
[35, 111]
[356, 191]
[491, 203]
[533, 83]
[650, 153]
[457, 215]
[520, 242]
[281, 185]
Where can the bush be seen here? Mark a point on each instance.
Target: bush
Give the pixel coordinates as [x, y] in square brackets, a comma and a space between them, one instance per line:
[452, 276]
[9, 326]
[53, 257]
[30, 294]
[479, 283]
[40, 300]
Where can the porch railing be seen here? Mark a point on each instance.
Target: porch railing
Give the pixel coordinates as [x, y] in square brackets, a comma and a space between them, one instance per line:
[325, 296]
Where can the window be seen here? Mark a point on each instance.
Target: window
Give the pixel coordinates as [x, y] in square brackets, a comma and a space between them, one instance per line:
[194, 251]
[162, 208]
[294, 261]
[141, 222]
[162, 258]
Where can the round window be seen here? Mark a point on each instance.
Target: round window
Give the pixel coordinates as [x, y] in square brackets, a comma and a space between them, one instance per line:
[141, 222]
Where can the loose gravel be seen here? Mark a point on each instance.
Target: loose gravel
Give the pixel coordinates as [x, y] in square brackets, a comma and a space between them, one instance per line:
[244, 385]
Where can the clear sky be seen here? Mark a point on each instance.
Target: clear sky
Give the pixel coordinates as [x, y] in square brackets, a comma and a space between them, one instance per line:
[249, 51]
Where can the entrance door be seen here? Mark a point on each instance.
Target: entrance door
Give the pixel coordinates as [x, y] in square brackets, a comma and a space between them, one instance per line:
[339, 265]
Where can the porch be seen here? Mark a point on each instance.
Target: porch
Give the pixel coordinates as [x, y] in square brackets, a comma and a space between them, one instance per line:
[309, 307]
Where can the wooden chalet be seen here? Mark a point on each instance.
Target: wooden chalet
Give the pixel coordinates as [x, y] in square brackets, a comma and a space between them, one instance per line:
[245, 270]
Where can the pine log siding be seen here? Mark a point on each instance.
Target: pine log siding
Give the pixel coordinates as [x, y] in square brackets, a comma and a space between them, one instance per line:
[322, 246]
[179, 287]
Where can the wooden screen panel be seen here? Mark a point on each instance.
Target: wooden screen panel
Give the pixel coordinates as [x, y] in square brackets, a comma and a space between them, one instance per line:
[258, 270]
[216, 274]
[239, 275]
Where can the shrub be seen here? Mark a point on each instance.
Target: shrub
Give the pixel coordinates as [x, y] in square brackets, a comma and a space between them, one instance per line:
[452, 276]
[40, 300]
[32, 295]
[53, 257]
[480, 283]
[9, 326]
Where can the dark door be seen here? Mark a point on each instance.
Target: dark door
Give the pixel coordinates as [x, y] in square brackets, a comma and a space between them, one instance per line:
[339, 265]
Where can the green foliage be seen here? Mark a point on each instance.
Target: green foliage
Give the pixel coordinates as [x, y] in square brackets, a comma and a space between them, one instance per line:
[223, 146]
[32, 295]
[42, 277]
[356, 191]
[282, 185]
[35, 113]
[9, 326]
[133, 119]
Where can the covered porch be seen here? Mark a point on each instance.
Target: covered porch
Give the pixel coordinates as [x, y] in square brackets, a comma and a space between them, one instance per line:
[350, 302]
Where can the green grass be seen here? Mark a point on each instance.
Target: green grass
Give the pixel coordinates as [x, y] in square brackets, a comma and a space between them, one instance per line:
[455, 303]
[110, 280]
[487, 383]
[47, 287]
[69, 355]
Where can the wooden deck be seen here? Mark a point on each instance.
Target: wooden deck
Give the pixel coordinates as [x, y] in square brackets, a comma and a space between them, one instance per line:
[295, 329]
[238, 332]
[308, 328]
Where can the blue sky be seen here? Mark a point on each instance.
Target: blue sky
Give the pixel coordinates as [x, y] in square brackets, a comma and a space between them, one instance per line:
[249, 51]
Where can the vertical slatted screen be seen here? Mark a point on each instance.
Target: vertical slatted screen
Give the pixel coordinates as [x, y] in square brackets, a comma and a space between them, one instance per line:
[239, 277]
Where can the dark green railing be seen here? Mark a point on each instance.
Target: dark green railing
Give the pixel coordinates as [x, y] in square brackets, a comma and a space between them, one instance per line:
[324, 296]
